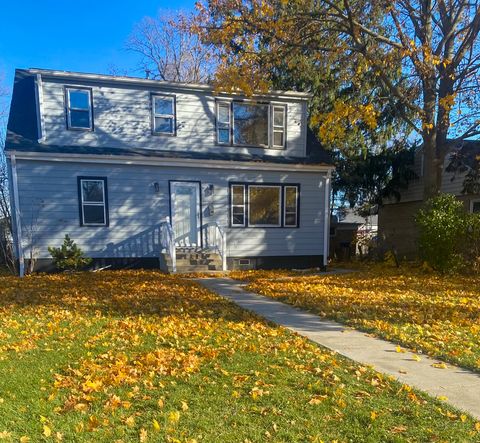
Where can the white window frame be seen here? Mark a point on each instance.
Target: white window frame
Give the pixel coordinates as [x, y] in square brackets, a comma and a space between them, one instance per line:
[103, 203]
[228, 105]
[172, 116]
[278, 128]
[238, 206]
[472, 202]
[279, 225]
[88, 91]
[285, 212]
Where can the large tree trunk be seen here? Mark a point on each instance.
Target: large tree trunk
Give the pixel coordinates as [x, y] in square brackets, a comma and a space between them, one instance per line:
[432, 167]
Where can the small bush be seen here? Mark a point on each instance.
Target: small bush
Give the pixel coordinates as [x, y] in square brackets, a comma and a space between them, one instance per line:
[449, 235]
[69, 256]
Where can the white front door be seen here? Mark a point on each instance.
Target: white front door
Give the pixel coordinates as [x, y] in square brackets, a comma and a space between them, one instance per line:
[185, 207]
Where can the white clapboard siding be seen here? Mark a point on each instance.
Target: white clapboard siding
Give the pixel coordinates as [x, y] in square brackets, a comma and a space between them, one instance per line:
[122, 119]
[49, 208]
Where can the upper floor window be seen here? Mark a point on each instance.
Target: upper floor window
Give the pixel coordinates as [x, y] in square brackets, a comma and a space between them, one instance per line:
[163, 118]
[79, 108]
[251, 124]
[93, 201]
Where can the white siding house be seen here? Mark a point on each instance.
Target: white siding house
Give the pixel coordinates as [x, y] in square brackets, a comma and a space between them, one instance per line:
[149, 173]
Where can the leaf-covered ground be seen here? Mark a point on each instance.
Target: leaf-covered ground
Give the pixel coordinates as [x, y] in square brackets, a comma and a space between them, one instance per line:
[438, 315]
[140, 356]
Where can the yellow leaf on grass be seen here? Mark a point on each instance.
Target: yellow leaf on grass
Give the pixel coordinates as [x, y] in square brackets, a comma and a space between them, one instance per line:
[47, 432]
[184, 406]
[174, 416]
[156, 425]
[477, 426]
[24, 439]
[442, 398]
[317, 399]
[130, 421]
[373, 415]
[143, 435]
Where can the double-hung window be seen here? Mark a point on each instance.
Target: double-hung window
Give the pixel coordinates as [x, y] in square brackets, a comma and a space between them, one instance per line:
[93, 201]
[278, 126]
[251, 124]
[264, 205]
[163, 114]
[290, 206]
[79, 108]
[223, 123]
[238, 205]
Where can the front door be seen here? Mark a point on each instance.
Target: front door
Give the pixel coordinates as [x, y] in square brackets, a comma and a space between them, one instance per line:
[185, 206]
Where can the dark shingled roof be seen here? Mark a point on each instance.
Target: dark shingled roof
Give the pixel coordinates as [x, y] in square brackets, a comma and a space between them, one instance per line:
[22, 135]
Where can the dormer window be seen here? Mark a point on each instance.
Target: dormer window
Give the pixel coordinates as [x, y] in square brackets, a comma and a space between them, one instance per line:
[79, 109]
[251, 124]
[163, 114]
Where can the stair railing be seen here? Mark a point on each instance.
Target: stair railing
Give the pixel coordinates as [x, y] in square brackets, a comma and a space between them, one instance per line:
[168, 242]
[215, 237]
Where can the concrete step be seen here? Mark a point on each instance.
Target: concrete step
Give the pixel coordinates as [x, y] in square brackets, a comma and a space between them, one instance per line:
[198, 268]
[199, 262]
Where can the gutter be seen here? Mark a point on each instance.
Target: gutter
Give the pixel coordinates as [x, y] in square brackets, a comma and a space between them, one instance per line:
[171, 162]
[16, 210]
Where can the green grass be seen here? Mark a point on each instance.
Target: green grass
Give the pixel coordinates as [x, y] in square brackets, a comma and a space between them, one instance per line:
[106, 357]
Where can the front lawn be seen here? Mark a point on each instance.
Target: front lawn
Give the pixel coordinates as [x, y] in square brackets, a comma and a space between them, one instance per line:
[439, 315]
[140, 356]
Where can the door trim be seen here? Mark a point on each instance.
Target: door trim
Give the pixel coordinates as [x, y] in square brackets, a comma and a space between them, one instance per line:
[200, 205]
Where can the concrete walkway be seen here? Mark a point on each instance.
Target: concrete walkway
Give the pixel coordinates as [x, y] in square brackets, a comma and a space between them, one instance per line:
[461, 387]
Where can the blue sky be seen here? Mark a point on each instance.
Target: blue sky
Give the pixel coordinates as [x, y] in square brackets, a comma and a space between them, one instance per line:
[86, 36]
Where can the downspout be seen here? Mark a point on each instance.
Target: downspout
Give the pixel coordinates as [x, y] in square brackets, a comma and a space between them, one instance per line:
[326, 224]
[16, 211]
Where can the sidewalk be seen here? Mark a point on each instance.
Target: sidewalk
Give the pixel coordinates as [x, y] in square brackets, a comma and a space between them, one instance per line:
[460, 386]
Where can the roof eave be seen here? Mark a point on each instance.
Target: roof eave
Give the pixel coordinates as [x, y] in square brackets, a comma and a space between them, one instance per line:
[161, 84]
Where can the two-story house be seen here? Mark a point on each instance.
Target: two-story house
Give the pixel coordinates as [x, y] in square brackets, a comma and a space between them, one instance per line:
[397, 228]
[139, 170]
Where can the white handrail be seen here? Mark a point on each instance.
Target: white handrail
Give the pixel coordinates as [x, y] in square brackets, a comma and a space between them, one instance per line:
[168, 241]
[223, 246]
[216, 238]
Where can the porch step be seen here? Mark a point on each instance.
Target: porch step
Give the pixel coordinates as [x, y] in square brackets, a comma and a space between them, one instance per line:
[195, 260]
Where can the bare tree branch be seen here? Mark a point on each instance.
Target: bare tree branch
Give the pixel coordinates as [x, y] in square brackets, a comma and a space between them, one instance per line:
[169, 50]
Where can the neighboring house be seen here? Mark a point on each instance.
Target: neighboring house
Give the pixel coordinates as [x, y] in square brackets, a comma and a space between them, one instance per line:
[351, 234]
[396, 220]
[138, 171]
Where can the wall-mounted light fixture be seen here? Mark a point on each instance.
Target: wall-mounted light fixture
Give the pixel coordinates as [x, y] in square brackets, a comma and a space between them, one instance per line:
[156, 187]
[209, 189]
